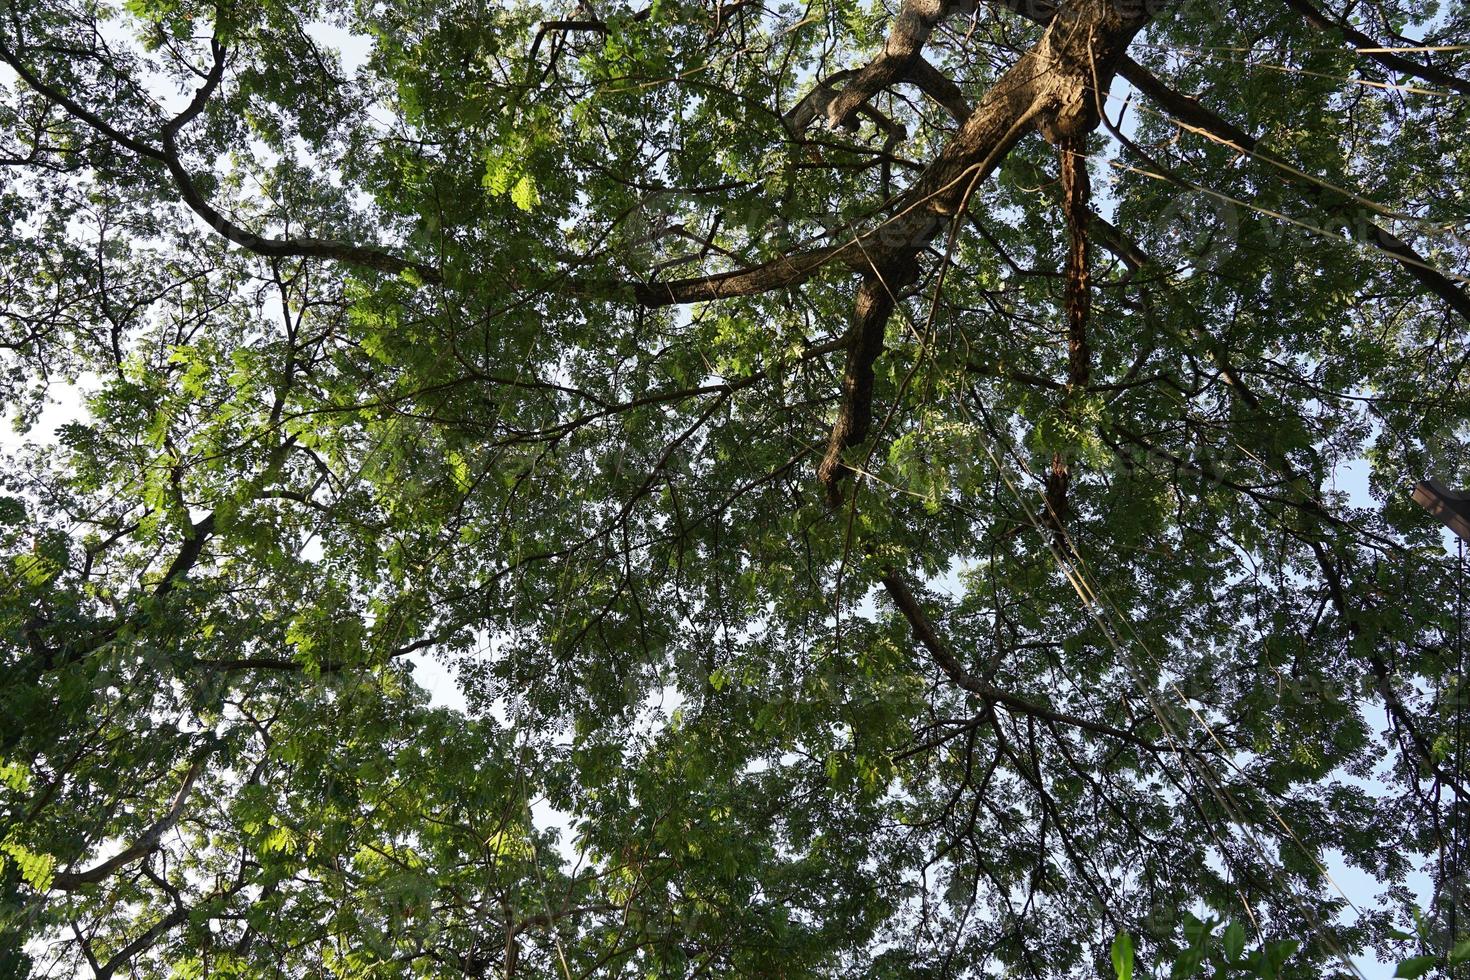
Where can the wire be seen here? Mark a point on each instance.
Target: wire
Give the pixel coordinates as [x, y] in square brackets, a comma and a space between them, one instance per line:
[1093, 598]
[1372, 205]
[1306, 226]
[1414, 49]
[1368, 83]
[1320, 232]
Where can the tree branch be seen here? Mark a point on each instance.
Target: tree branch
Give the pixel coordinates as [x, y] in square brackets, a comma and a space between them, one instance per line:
[1192, 113]
[904, 599]
[1371, 48]
[72, 880]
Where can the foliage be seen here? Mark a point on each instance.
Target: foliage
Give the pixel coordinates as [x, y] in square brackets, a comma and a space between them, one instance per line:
[1226, 955]
[856, 556]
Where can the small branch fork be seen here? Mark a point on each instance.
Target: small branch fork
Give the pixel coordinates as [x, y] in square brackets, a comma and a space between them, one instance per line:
[929, 638]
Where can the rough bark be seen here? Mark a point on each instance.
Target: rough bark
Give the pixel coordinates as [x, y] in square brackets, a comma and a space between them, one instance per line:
[1054, 88]
[874, 305]
[903, 48]
[1077, 301]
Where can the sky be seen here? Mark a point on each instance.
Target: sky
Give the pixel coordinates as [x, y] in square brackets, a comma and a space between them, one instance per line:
[439, 680]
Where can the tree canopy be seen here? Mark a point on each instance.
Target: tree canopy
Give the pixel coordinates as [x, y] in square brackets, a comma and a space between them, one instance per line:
[875, 470]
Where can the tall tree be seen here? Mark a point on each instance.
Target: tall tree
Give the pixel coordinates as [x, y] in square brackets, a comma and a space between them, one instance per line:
[871, 468]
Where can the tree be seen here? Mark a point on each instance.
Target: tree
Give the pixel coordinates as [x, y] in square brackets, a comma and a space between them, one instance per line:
[871, 467]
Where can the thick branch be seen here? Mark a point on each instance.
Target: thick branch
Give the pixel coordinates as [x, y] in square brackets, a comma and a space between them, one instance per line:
[938, 86]
[71, 880]
[1192, 113]
[168, 155]
[1052, 81]
[75, 108]
[146, 940]
[1076, 195]
[1371, 48]
[915, 22]
[1076, 192]
[204, 94]
[188, 556]
[1052, 87]
[875, 302]
[125, 955]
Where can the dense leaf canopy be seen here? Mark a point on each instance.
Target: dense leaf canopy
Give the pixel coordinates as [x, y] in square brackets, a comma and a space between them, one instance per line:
[872, 470]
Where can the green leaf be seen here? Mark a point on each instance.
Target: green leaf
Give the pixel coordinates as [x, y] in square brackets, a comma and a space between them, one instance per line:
[1278, 952]
[525, 194]
[37, 870]
[1197, 931]
[1233, 941]
[16, 775]
[1123, 956]
[1187, 965]
[1416, 967]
